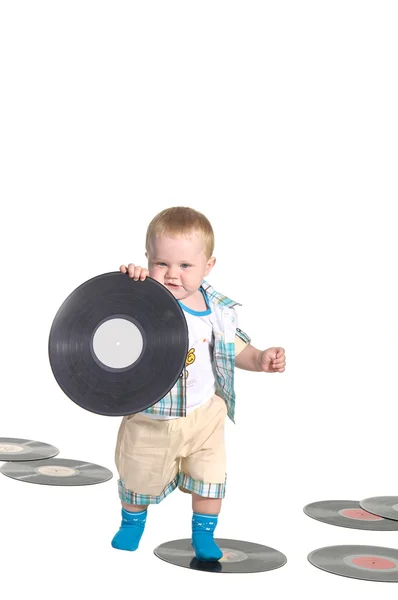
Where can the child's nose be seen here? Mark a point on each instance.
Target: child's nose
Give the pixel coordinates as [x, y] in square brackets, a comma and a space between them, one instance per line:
[172, 272]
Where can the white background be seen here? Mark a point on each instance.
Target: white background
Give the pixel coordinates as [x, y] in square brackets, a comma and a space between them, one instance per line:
[278, 120]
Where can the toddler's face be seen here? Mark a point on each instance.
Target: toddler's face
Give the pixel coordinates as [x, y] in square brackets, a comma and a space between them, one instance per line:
[179, 263]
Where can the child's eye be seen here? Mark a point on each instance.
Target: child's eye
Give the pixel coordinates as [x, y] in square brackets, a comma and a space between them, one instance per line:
[184, 265]
[160, 264]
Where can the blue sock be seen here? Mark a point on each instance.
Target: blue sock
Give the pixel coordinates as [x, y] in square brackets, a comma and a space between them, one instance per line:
[129, 535]
[205, 547]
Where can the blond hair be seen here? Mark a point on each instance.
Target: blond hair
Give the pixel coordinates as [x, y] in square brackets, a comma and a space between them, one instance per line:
[181, 220]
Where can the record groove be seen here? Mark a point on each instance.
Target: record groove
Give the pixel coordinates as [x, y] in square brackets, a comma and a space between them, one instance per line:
[383, 506]
[371, 563]
[238, 556]
[18, 449]
[117, 346]
[58, 471]
[347, 513]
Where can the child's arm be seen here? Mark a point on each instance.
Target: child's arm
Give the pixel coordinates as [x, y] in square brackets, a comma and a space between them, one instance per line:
[249, 359]
[271, 360]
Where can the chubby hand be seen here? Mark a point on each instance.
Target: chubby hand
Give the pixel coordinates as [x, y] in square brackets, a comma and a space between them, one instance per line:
[134, 271]
[273, 360]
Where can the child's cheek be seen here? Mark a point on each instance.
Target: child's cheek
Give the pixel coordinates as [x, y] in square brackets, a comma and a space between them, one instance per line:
[155, 272]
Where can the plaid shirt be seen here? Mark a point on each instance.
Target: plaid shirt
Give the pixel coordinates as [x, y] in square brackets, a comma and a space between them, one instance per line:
[224, 321]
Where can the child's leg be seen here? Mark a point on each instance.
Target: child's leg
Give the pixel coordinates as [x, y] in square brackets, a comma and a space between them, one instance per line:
[203, 473]
[204, 521]
[132, 527]
[206, 506]
[145, 458]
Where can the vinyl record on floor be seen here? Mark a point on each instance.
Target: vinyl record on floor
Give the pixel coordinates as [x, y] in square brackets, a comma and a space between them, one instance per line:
[57, 471]
[373, 563]
[347, 513]
[383, 506]
[117, 346]
[17, 449]
[238, 556]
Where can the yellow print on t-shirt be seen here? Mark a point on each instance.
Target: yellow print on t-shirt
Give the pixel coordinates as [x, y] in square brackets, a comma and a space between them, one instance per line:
[189, 360]
[190, 357]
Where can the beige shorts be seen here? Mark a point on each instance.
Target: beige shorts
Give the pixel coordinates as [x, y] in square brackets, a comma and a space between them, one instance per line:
[154, 456]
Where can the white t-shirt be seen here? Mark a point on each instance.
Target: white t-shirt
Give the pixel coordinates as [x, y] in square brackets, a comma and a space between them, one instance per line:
[199, 374]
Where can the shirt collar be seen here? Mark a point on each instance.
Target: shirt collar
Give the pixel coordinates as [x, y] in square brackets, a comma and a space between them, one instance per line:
[216, 297]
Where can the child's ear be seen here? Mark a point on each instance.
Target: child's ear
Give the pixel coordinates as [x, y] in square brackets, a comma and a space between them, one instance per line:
[210, 264]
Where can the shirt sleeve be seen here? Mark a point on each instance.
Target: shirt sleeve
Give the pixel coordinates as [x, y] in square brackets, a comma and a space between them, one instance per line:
[241, 341]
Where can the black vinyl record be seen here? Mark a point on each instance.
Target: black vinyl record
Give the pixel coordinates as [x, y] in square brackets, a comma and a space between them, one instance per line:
[117, 346]
[383, 506]
[347, 513]
[372, 563]
[57, 471]
[17, 449]
[238, 556]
